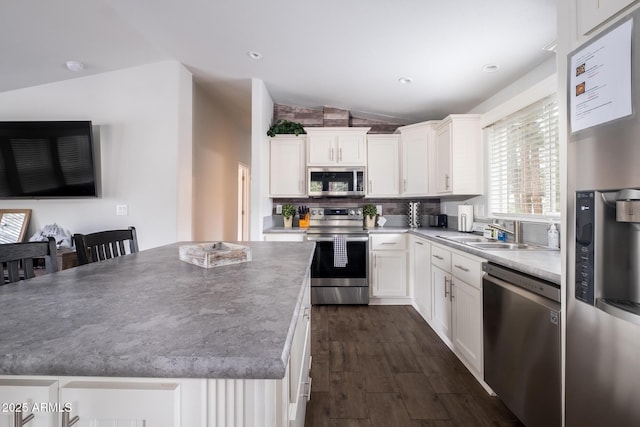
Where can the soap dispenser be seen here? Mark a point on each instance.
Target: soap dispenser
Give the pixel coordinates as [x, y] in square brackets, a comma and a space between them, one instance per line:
[553, 237]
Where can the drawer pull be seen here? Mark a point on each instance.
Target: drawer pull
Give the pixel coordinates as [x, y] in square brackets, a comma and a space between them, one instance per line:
[438, 257]
[389, 243]
[66, 422]
[446, 280]
[420, 243]
[307, 389]
[466, 270]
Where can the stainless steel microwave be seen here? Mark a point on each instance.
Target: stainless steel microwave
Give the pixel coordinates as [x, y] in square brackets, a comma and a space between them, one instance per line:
[336, 181]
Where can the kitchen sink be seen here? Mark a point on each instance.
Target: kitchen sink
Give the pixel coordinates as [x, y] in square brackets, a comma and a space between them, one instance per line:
[480, 242]
[467, 239]
[501, 245]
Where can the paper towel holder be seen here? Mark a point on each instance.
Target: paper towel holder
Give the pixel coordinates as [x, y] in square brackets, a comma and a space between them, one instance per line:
[465, 218]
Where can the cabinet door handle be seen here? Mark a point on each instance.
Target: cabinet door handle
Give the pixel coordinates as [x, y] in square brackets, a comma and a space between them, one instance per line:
[66, 422]
[451, 290]
[446, 181]
[404, 186]
[466, 270]
[332, 153]
[437, 257]
[18, 421]
[370, 187]
[306, 312]
[446, 279]
[307, 389]
[340, 154]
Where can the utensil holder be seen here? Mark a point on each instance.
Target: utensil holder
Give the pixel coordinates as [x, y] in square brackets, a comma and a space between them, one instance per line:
[414, 214]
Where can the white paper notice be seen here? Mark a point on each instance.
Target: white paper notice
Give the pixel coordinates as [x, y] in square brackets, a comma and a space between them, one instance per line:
[600, 84]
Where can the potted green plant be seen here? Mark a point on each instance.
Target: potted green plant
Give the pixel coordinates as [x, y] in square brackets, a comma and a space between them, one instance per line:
[369, 212]
[288, 212]
[285, 127]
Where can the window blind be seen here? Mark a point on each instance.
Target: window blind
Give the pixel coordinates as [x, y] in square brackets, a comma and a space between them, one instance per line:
[524, 166]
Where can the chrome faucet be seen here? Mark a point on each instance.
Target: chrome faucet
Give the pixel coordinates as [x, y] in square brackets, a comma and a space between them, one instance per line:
[516, 232]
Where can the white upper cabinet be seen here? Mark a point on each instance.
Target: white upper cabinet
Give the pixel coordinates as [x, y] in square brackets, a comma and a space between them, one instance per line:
[331, 146]
[458, 161]
[287, 166]
[383, 165]
[592, 13]
[415, 145]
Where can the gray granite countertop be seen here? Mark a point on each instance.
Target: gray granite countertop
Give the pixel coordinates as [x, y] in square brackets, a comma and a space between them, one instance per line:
[151, 315]
[544, 264]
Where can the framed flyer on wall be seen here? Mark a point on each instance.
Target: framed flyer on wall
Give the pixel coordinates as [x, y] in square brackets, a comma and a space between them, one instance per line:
[600, 79]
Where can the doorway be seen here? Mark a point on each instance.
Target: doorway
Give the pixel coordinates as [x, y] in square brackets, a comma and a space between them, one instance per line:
[243, 202]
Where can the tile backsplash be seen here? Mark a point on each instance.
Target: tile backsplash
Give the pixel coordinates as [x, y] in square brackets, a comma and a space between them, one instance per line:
[429, 206]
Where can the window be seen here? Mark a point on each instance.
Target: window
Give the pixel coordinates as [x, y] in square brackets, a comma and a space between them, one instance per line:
[524, 167]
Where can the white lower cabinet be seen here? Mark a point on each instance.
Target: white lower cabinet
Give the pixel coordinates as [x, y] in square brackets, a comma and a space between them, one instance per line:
[132, 403]
[25, 397]
[388, 261]
[300, 365]
[457, 304]
[441, 303]
[467, 322]
[420, 276]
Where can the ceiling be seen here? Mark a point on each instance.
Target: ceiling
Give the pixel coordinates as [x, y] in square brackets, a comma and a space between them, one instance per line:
[340, 53]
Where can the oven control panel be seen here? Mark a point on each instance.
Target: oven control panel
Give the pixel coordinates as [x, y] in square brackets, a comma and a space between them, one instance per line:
[353, 213]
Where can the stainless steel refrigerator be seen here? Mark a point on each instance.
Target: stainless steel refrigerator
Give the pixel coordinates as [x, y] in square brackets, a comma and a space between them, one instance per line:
[603, 240]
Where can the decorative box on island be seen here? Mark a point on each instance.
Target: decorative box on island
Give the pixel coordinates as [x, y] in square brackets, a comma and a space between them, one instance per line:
[215, 254]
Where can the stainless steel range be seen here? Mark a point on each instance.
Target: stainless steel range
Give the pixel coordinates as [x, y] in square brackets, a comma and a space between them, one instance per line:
[339, 271]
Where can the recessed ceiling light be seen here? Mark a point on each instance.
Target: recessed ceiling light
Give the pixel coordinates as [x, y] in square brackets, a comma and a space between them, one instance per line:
[254, 55]
[405, 80]
[490, 68]
[74, 66]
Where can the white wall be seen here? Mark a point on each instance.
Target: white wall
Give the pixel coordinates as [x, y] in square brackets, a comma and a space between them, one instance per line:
[533, 77]
[221, 139]
[261, 117]
[142, 124]
[526, 90]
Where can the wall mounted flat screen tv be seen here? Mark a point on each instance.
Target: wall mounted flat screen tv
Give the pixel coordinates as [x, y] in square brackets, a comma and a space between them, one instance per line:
[46, 160]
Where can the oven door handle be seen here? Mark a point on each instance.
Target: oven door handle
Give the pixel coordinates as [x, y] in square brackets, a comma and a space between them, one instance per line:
[330, 239]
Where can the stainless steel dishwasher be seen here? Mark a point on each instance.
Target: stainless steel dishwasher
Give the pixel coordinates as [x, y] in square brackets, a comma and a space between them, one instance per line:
[522, 361]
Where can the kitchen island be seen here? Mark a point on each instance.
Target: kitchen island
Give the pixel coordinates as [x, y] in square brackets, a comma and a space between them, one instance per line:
[149, 322]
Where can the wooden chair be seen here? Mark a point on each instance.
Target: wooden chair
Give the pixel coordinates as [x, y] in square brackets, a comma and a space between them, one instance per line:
[105, 245]
[18, 257]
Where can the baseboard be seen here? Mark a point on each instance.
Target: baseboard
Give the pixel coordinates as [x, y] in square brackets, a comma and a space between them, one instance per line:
[390, 301]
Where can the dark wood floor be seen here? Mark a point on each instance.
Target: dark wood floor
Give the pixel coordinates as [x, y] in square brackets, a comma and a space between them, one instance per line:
[384, 366]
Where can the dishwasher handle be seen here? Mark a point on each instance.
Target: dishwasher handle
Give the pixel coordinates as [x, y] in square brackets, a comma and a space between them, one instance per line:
[533, 297]
[524, 281]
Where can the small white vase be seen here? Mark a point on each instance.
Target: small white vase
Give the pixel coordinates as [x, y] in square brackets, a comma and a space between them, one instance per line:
[369, 221]
[288, 222]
